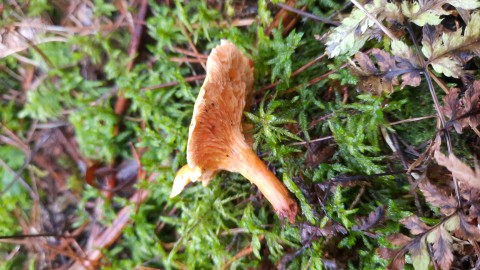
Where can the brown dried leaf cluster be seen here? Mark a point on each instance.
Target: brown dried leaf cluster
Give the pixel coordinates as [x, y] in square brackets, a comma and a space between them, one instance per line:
[380, 76]
[463, 111]
[457, 229]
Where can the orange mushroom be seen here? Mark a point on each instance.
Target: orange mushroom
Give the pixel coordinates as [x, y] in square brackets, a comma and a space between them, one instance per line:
[216, 140]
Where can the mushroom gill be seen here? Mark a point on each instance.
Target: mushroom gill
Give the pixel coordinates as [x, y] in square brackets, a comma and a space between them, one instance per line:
[216, 140]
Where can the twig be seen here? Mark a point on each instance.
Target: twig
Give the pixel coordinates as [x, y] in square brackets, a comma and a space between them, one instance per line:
[122, 103]
[314, 80]
[437, 106]
[375, 20]
[111, 234]
[14, 140]
[170, 84]
[413, 119]
[318, 120]
[192, 45]
[135, 41]
[357, 198]
[308, 15]
[296, 72]
[23, 236]
[17, 177]
[439, 82]
[187, 60]
[344, 7]
[285, 18]
[397, 150]
[189, 53]
[312, 141]
[27, 161]
[369, 176]
[244, 252]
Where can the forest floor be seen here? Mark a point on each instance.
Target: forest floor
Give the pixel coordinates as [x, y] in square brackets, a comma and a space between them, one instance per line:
[368, 112]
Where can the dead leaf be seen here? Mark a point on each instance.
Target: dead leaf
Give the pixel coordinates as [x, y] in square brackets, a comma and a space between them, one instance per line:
[319, 153]
[414, 224]
[464, 111]
[419, 254]
[398, 261]
[471, 104]
[443, 49]
[434, 196]
[373, 219]
[308, 231]
[396, 255]
[459, 169]
[30, 31]
[451, 108]
[399, 239]
[442, 253]
[466, 230]
[382, 79]
[387, 253]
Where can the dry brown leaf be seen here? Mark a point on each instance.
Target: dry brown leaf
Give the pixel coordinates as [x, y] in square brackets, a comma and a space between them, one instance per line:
[434, 196]
[399, 239]
[419, 253]
[442, 242]
[398, 262]
[466, 230]
[14, 39]
[396, 255]
[414, 224]
[373, 218]
[464, 111]
[471, 104]
[386, 253]
[459, 169]
[382, 79]
[308, 231]
[451, 108]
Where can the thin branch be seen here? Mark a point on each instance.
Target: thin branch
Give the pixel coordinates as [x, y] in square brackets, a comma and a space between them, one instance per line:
[375, 20]
[307, 15]
[439, 82]
[112, 233]
[189, 53]
[187, 60]
[363, 177]
[315, 80]
[413, 119]
[436, 103]
[244, 252]
[17, 177]
[23, 236]
[312, 141]
[170, 84]
[296, 72]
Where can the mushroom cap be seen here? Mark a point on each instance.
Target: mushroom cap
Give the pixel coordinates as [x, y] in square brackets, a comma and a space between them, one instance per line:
[217, 115]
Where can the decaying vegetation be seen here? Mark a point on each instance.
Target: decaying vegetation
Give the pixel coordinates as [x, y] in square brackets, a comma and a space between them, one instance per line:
[367, 111]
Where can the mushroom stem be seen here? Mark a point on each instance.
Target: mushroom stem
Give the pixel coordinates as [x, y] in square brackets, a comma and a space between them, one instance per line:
[253, 168]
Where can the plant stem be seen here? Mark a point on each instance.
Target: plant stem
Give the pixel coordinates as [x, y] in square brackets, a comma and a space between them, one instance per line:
[426, 73]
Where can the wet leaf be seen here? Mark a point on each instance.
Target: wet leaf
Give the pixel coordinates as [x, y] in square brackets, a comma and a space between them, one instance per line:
[447, 204]
[419, 253]
[441, 49]
[459, 169]
[466, 230]
[373, 219]
[442, 253]
[382, 79]
[399, 239]
[414, 224]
